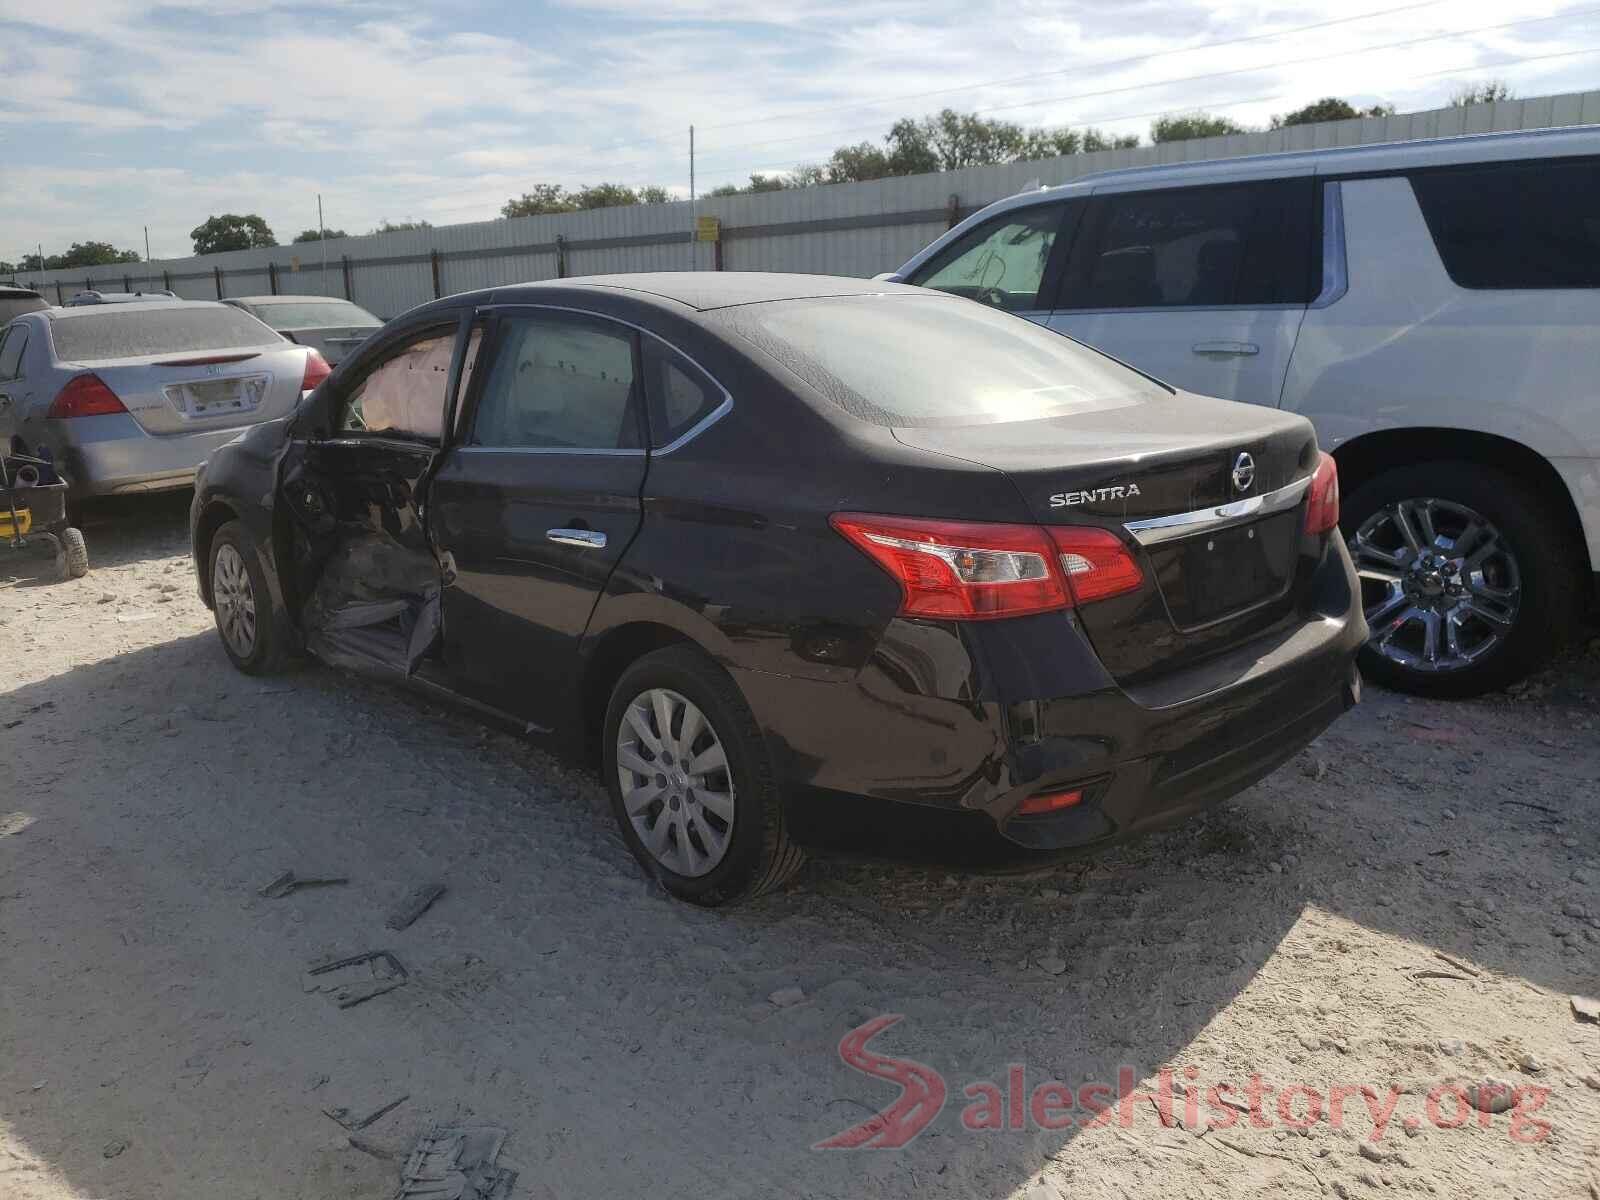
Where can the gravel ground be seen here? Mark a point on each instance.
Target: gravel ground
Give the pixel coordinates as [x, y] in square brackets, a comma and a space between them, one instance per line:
[1408, 905]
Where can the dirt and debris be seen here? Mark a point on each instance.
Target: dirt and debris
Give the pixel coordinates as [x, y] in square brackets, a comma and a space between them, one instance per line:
[358, 978]
[288, 883]
[415, 902]
[457, 1164]
[624, 1041]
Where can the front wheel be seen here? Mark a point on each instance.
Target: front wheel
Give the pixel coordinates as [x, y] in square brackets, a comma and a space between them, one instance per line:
[1469, 581]
[692, 782]
[252, 626]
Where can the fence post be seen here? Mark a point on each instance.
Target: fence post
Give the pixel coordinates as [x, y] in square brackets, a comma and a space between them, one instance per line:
[88, 284]
[60, 299]
[166, 279]
[216, 273]
[716, 255]
[952, 211]
[272, 277]
[127, 284]
[433, 262]
[344, 262]
[561, 256]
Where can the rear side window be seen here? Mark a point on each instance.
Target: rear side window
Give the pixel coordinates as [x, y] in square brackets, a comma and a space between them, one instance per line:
[559, 383]
[1516, 225]
[173, 328]
[1001, 263]
[313, 314]
[404, 395]
[909, 360]
[14, 306]
[1208, 247]
[12, 343]
[680, 394]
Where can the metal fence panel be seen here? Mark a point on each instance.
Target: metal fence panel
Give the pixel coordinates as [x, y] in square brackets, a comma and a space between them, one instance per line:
[843, 229]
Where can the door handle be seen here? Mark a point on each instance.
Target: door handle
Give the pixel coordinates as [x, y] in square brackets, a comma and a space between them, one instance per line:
[584, 539]
[1241, 348]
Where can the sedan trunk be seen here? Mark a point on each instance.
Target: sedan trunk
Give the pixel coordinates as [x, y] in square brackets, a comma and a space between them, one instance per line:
[1210, 495]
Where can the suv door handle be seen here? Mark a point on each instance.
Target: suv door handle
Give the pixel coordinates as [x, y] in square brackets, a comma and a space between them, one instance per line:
[1243, 348]
[584, 539]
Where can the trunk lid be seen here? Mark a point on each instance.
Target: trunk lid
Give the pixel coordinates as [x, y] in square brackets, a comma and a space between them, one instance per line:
[333, 342]
[179, 393]
[1221, 561]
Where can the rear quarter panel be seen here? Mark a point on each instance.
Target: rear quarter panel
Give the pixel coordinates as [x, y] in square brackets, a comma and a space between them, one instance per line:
[1406, 347]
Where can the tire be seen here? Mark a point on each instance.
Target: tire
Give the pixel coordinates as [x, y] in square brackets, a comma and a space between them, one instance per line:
[74, 553]
[757, 854]
[243, 586]
[1537, 564]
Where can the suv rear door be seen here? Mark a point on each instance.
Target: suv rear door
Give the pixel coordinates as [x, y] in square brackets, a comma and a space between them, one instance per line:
[1204, 287]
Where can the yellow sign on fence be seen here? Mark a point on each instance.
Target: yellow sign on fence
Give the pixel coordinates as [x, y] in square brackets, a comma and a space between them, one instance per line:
[708, 229]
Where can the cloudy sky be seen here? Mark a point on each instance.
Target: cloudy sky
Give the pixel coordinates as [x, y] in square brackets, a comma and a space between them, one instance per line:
[120, 113]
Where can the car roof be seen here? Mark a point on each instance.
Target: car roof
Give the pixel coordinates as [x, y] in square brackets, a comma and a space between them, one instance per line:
[12, 289]
[287, 299]
[74, 312]
[706, 290]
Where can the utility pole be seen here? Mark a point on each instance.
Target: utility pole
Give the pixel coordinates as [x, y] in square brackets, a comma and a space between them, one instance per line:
[148, 278]
[322, 240]
[691, 163]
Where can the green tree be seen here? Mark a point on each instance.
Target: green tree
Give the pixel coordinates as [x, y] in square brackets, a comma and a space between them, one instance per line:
[317, 235]
[1094, 139]
[231, 232]
[1486, 91]
[605, 195]
[654, 194]
[1180, 127]
[400, 226]
[540, 200]
[1330, 108]
[858, 163]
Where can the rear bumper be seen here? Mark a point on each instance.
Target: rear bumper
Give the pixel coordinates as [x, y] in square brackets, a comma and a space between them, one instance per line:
[982, 716]
[113, 455]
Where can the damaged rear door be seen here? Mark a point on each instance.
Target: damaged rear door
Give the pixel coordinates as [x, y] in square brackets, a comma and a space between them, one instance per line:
[366, 578]
[536, 505]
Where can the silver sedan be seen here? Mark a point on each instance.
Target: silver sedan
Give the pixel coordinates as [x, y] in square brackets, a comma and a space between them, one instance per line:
[133, 397]
[334, 327]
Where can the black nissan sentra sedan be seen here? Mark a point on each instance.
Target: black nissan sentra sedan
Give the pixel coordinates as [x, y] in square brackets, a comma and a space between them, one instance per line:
[753, 538]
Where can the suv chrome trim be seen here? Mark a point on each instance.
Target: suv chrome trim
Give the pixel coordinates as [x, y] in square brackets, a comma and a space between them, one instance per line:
[1335, 271]
[1155, 530]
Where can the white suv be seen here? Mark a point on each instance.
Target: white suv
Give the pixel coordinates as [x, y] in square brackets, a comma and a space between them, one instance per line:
[1433, 307]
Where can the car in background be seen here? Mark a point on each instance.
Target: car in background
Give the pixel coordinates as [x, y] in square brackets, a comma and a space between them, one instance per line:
[14, 301]
[95, 297]
[759, 537]
[1431, 306]
[132, 397]
[333, 326]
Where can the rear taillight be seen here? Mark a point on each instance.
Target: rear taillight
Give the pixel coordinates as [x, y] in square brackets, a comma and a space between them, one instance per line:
[317, 369]
[963, 570]
[85, 395]
[1322, 498]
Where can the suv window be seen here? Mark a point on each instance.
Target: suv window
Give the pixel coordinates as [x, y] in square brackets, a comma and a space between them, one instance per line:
[1205, 247]
[12, 343]
[404, 395]
[681, 396]
[1002, 262]
[1515, 225]
[560, 383]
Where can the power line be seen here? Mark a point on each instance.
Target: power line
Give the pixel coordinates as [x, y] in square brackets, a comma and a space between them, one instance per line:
[726, 168]
[667, 139]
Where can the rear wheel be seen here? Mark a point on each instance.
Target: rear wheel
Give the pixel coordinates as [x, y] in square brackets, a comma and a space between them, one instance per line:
[692, 782]
[1468, 579]
[252, 626]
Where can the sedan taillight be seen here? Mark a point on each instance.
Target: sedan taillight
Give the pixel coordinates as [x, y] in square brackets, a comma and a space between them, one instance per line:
[967, 571]
[85, 395]
[317, 369]
[1322, 498]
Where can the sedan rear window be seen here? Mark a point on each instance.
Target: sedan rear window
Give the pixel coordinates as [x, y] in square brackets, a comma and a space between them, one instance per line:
[132, 333]
[910, 360]
[15, 305]
[318, 314]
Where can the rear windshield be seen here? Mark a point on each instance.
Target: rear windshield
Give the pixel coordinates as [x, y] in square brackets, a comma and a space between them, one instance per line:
[15, 306]
[313, 315]
[911, 360]
[130, 333]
